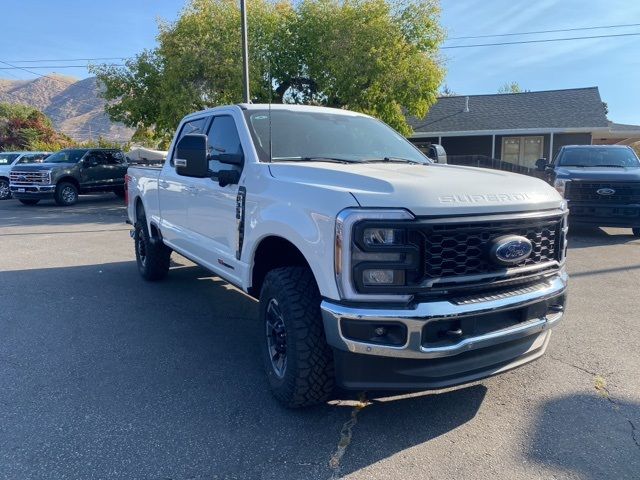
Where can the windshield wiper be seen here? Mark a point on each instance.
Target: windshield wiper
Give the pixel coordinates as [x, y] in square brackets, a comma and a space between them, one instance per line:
[315, 159]
[392, 160]
[613, 166]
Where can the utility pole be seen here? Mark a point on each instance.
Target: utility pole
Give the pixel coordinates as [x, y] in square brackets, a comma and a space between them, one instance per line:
[245, 52]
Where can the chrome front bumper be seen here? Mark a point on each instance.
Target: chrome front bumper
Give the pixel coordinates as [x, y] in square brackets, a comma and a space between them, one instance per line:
[416, 317]
[31, 188]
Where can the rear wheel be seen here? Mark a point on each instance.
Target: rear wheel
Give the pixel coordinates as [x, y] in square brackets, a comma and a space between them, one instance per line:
[152, 256]
[29, 201]
[5, 193]
[636, 231]
[297, 358]
[66, 194]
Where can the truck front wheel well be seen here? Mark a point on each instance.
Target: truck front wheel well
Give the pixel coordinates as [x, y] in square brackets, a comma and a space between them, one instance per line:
[273, 252]
[71, 180]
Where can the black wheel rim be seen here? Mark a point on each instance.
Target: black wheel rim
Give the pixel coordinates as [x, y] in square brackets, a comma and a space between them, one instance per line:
[142, 248]
[276, 338]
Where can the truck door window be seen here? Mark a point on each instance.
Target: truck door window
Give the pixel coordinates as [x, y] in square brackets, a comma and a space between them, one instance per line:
[223, 138]
[114, 158]
[192, 126]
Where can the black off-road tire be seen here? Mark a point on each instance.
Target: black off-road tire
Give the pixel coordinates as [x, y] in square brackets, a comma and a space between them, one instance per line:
[636, 231]
[152, 256]
[28, 201]
[66, 194]
[308, 377]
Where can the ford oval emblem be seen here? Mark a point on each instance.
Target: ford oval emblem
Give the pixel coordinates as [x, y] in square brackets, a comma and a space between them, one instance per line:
[605, 191]
[510, 249]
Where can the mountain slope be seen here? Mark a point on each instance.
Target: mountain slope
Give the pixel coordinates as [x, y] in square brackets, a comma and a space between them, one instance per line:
[73, 105]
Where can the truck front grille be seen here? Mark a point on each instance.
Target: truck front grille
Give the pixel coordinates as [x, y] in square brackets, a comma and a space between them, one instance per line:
[624, 192]
[459, 252]
[29, 178]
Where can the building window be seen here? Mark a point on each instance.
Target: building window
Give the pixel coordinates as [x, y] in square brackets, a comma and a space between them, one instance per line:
[522, 150]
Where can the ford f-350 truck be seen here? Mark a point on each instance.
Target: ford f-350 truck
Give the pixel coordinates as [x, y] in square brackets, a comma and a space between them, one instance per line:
[375, 268]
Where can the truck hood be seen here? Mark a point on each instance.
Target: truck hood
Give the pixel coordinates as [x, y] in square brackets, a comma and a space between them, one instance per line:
[34, 167]
[426, 189]
[600, 174]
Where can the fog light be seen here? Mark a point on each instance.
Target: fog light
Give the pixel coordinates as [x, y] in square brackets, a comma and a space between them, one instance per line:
[378, 277]
[387, 333]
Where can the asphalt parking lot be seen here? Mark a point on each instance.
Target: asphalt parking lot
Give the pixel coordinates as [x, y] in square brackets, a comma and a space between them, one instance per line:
[103, 375]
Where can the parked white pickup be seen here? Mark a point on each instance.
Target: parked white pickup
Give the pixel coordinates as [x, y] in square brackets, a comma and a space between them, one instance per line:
[375, 268]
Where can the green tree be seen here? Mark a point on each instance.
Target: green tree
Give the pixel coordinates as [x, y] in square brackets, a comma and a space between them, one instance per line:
[447, 92]
[511, 87]
[26, 128]
[375, 56]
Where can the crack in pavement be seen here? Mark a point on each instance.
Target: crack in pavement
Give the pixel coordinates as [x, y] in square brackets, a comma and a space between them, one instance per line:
[346, 434]
[600, 384]
[633, 433]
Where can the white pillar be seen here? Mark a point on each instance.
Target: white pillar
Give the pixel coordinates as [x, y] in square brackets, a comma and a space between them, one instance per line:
[550, 159]
[439, 140]
[493, 146]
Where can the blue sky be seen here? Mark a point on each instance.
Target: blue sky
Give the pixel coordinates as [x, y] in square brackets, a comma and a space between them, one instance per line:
[34, 30]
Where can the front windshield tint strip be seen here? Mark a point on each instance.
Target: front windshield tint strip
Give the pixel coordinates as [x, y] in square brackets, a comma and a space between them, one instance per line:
[324, 136]
[615, 157]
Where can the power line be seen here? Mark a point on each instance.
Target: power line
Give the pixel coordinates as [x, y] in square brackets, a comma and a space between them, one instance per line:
[541, 40]
[545, 31]
[68, 59]
[64, 66]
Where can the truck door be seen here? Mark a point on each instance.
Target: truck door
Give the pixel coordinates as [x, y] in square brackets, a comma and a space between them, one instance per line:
[212, 208]
[115, 169]
[174, 195]
[92, 170]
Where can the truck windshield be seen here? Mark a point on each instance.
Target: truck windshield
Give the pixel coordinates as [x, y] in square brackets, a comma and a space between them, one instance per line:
[67, 156]
[323, 136]
[8, 158]
[599, 157]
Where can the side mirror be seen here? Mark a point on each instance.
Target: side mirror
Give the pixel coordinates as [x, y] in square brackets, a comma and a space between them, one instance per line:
[541, 164]
[191, 156]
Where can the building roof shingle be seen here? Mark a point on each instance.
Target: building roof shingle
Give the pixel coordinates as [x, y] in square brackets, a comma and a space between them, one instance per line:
[574, 108]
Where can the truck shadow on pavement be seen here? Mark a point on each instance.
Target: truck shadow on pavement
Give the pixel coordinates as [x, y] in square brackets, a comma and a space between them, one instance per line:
[593, 436]
[105, 375]
[105, 209]
[582, 236]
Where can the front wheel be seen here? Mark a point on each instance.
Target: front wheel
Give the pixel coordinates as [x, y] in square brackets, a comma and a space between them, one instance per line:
[66, 194]
[5, 192]
[28, 201]
[152, 256]
[636, 231]
[297, 358]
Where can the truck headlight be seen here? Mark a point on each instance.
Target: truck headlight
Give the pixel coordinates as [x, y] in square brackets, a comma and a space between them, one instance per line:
[382, 236]
[372, 254]
[560, 185]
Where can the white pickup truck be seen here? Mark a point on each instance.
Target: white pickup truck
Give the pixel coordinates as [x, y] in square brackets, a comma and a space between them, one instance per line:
[375, 268]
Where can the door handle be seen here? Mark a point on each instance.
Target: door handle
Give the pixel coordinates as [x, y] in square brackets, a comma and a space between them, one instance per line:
[192, 190]
[163, 184]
